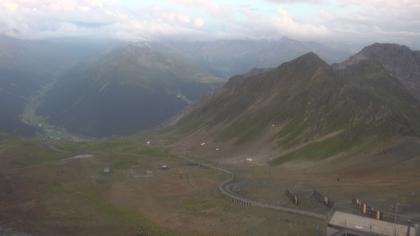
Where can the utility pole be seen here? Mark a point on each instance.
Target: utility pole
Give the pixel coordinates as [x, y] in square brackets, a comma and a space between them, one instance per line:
[395, 219]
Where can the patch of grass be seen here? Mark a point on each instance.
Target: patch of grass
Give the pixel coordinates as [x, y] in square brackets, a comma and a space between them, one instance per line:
[245, 130]
[26, 152]
[252, 132]
[201, 205]
[112, 146]
[95, 196]
[319, 150]
[186, 126]
[90, 146]
[291, 131]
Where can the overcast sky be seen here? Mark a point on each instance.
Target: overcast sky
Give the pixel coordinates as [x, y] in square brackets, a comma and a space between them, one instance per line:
[320, 20]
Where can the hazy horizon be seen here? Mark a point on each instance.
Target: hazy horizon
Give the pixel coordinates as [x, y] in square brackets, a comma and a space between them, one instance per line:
[338, 22]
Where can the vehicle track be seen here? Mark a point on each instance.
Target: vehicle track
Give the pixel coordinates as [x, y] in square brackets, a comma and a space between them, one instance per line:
[225, 190]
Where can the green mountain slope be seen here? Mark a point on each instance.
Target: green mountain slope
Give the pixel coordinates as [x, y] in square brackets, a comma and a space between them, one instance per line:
[128, 90]
[306, 102]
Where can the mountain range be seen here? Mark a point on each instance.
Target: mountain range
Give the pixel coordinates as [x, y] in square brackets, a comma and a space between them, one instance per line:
[307, 108]
[226, 58]
[28, 65]
[132, 88]
[398, 60]
[105, 88]
[99, 89]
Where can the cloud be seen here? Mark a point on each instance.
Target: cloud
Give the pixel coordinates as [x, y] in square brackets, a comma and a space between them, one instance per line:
[289, 26]
[211, 7]
[199, 22]
[320, 20]
[376, 20]
[260, 26]
[92, 18]
[296, 1]
[383, 3]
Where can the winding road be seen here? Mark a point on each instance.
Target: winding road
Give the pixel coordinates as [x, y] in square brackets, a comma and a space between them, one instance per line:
[224, 187]
[226, 190]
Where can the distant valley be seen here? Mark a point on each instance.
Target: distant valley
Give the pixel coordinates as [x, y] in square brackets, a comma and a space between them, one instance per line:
[100, 89]
[28, 65]
[132, 88]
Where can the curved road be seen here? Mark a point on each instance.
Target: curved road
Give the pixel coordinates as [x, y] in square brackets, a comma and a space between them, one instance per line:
[224, 189]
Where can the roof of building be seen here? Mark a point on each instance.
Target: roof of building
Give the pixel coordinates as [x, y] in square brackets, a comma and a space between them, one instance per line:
[365, 224]
[342, 232]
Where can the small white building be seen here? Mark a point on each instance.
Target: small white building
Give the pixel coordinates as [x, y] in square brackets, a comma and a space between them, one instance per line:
[342, 223]
[107, 170]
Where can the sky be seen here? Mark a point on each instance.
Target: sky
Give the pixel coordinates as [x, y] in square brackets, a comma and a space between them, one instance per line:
[309, 20]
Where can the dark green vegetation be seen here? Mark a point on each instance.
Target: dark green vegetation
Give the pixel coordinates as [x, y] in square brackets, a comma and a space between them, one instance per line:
[309, 105]
[130, 89]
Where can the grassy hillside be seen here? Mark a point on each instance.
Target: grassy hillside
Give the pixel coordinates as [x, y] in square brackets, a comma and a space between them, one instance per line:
[304, 101]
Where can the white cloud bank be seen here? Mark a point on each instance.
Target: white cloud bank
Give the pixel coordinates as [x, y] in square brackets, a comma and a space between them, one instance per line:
[334, 20]
[94, 18]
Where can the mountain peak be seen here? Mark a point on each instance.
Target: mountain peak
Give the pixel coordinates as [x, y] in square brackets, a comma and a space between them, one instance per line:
[397, 60]
[310, 56]
[308, 59]
[380, 50]
[307, 99]
[385, 47]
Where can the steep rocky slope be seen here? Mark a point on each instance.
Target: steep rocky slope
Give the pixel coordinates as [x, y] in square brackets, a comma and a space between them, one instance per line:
[400, 61]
